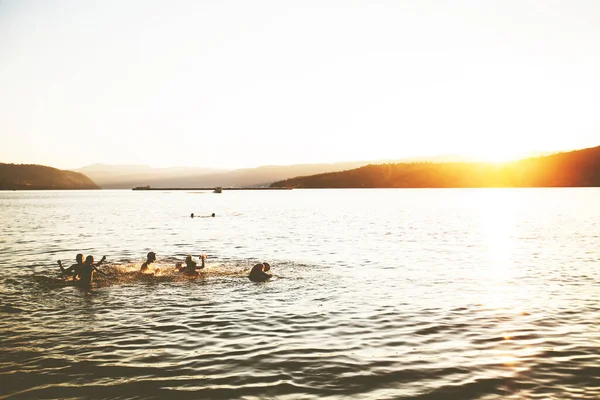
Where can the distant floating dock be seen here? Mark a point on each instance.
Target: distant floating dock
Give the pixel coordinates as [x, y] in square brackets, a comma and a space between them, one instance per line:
[211, 188]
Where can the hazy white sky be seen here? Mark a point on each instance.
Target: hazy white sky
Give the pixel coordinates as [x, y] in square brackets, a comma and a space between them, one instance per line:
[248, 83]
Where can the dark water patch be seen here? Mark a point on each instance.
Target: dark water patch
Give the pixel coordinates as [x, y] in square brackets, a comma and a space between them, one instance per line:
[477, 389]
[439, 329]
[9, 309]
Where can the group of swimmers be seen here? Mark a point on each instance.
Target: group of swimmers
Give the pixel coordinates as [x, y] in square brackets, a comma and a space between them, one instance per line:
[191, 267]
[83, 271]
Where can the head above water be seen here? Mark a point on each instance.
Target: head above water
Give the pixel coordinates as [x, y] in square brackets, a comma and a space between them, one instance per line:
[79, 258]
[89, 260]
[151, 256]
[190, 263]
[266, 266]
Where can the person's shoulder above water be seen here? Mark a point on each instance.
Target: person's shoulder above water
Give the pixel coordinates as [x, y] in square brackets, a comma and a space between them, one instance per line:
[86, 272]
[259, 274]
[150, 258]
[73, 269]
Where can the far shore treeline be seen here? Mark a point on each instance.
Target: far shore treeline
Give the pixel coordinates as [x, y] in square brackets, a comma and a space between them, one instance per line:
[40, 177]
[580, 168]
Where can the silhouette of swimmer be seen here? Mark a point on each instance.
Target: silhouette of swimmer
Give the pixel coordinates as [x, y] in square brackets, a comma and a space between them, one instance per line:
[191, 266]
[258, 274]
[73, 269]
[202, 216]
[150, 258]
[86, 272]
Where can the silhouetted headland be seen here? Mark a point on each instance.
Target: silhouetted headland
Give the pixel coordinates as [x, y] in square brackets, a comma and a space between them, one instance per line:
[580, 168]
[40, 177]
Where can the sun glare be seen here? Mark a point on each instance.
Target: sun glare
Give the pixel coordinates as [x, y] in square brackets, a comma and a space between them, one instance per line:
[498, 208]
[497, 155]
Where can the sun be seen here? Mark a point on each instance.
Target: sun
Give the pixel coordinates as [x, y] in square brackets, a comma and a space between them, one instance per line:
[497, 154]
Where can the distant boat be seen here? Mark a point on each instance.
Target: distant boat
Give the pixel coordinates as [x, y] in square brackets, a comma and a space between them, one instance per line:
[218, 190]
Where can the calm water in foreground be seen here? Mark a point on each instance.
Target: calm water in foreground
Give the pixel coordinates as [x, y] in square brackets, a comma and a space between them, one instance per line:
[378, 294]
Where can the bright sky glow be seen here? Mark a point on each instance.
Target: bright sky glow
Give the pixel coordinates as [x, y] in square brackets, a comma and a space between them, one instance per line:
[249, 83]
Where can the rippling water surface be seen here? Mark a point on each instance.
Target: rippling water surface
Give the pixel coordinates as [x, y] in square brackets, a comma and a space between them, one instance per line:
[378, 294]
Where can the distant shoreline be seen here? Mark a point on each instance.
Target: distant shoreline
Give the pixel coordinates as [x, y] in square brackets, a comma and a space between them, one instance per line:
[44, 188]
[213, 188]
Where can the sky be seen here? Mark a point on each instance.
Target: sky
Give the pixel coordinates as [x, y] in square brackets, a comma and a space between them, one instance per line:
[237, 83]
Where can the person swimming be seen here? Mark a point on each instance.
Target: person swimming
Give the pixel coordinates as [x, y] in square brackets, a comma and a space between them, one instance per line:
[191, 267]
[86, 272]
[258, 273]
[73, 269]
[150, 258]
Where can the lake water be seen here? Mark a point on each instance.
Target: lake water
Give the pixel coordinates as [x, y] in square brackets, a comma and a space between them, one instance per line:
[377, 294]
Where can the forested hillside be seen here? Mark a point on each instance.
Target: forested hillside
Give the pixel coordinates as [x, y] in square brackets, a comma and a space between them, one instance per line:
[37, 177]
[570, 169]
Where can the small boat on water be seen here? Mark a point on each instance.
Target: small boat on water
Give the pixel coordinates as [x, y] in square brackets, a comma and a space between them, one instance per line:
[218, 190]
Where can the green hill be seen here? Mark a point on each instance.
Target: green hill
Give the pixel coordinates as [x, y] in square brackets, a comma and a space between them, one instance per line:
[580, 168]
[39, 177]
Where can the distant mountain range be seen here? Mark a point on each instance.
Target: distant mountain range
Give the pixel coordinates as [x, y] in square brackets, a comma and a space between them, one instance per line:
[129, 176]
[580, 168]
[38, 177]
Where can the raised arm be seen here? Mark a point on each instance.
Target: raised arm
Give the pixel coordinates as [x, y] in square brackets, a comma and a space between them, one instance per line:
[64, 270]
[98, 264]
[202, 257]
[97, 270]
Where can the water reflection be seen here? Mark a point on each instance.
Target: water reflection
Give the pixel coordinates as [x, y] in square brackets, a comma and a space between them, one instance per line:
[499, 218]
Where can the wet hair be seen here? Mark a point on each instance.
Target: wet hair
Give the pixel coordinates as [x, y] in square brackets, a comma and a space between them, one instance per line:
[151, 255]
[79, 258]
[266, 266]
[89, 260]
